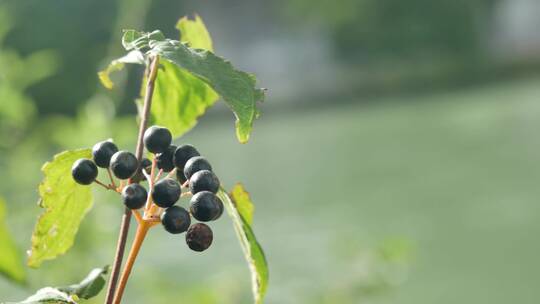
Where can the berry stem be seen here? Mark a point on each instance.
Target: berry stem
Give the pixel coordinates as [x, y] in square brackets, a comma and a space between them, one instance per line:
[111, 177]
[138, 216]
[108, 187]
[126, 218]
[172, 173]
[142, 230]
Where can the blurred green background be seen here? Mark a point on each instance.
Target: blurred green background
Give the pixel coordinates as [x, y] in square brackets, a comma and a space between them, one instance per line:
[396, 160]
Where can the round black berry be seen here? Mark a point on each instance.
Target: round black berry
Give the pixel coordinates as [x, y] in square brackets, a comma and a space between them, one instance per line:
[84, 171]
[195, 164]
[203, 180]
[175, 219]
[157, 139]
[206, 206]
[124, 164]
[134, 196]
[165, 159]
[183, 154]
[102, 152]
[166, 192]
[199, 237]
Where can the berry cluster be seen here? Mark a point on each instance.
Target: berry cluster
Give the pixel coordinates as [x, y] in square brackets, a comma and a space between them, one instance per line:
[190, 170]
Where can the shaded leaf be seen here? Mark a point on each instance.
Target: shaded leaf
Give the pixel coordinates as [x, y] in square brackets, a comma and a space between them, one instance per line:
[11, 265]
[240, 209]
[86, 289]
[179, 97]
[66, 204]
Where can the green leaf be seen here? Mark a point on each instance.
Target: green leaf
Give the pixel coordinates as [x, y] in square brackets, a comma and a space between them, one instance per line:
[90, 286]
[179, 97]
[86, 289]
[240, 209]
[49, 295]
[194, 33]
[237, 88]
[135, 57]
[66, 204]
[11, 265]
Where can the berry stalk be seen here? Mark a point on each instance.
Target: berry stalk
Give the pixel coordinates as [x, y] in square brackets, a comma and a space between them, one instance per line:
[126, 217]
[142, 230]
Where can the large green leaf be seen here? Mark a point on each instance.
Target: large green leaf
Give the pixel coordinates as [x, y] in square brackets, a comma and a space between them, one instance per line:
[240, 209]
[179, 97]
[86, 289]
[66, 204]
[237, 88]
[11, 265]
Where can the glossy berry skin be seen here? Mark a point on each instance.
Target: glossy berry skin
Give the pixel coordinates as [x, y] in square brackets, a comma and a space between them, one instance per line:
[165, 159]
[175, 219]
[182, 154]
[199, 237]
[134, 196]
[124, 164]
[205, 206]
[166, 192]
[195, 164]
[102, 153]
[157, 139]
[84, 171]
[203, 180]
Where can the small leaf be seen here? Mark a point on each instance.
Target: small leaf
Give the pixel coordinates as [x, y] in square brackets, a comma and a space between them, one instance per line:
[90, 286]
[11, 265]
[179, 97]
[135, 57]
[66, 204]
[240, 209]
[194, 32]
[243, 203]
[86, 289]
[48, 295]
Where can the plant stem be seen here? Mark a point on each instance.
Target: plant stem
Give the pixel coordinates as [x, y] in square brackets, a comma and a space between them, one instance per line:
[142, 230]
[126, 218]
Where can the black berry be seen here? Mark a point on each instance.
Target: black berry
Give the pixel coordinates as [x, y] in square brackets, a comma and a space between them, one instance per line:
[84, 171]
[157, 139]
[195, 164]
[166, 192]
[199, 237]
[124, 164]
[175, 219]
[206, 206]
[102, 152]
[203, 180]
[134, 196]
[183, 154]
[165, 159]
